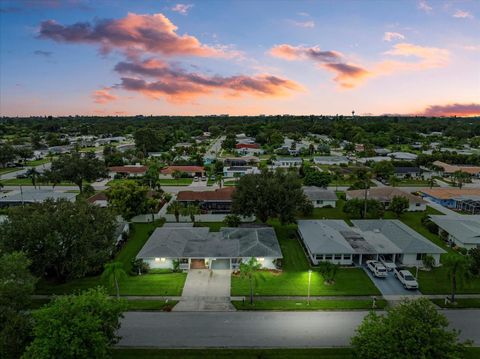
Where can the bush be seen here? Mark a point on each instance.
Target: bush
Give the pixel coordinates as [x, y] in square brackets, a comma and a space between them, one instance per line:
[232, 220]
[428, 261]
[139, 266]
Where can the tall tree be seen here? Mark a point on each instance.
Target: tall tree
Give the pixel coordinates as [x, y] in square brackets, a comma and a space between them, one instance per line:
[62, 239]
[7, 154]
[176, 208]
[76, 326]
[128, 199]
[33, 174]
[364, 176]
[248, 270]
[78, 168]
[398, 205]
[457, 267]
[113, 274]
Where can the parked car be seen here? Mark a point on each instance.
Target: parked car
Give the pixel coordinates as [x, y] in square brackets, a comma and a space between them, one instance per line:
[204, 178]
[377, 268]
[406, 278]
[388, 263]
[21, 176]
[196, 179]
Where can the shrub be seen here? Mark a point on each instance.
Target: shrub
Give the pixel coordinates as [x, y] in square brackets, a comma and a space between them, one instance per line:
[139, 266]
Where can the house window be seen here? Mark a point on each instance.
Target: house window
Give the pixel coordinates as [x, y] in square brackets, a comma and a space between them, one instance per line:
[338, 257]
[420, 256]
[319, 257]
[319, 202]
[347, 257]
[328, 257]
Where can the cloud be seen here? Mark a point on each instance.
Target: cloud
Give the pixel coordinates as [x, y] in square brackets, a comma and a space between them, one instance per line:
[349, 75]
[133, 34]
[309, 24]
[460, 14]
[455, 109]
[103, 96]
[158, 79]
[423, 5]
[182, 8]
[43, 53]
[390, 36]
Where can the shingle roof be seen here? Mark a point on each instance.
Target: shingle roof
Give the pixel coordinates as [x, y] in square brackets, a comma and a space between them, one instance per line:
[449, 193]
[37, 196]
[384, 194]
[466, 229]
[319, 194]
[323, 236]
[221, 194]
[188, 169]
[198, 242]
[128, 169]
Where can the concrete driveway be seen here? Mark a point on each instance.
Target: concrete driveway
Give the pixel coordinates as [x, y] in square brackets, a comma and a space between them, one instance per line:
[391, 286]
[206, 290]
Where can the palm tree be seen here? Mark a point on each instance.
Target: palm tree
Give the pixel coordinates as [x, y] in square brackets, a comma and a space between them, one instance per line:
[219, 180]
[457, 267]
[176, 208]
[177, 175]
[364, 176]
[191, 210]
[431, 182]
[460, 178]
[113, 273]
[337, 177]
[248, 270]
[393, 180]
[33, 174]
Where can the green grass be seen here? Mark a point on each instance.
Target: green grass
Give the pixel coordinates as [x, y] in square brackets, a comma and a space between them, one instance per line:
[149, 284]
[28, 182]
[38, 162]
[174, 182]
[414, 183]
[138, 305]
[330, 213]
[288, 305]
[436, 281]
[460, 303]
[8, 170]
[293, 280]
[321, 353]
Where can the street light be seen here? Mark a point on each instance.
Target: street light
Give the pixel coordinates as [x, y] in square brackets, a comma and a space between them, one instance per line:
[309, 281]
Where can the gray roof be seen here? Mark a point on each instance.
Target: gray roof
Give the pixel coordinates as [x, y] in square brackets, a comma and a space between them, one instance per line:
[401, 235]
[465, 229]
[330, 159]
[198, 242]
[39, 195]
[323, 236]
[315, 193]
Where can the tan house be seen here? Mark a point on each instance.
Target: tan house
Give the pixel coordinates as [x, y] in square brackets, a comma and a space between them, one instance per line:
[385, 195]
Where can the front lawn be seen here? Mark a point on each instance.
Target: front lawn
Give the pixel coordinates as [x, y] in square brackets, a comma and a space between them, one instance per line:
[436, 281]
[414, 183]
[175, 182]
[162, 305]
[293, 280]
[289, 305]
[28, 182]
[329, 213]
[461, 303]
[38, 162]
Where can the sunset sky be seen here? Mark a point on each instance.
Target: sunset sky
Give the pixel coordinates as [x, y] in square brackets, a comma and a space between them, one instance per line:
[105, 57]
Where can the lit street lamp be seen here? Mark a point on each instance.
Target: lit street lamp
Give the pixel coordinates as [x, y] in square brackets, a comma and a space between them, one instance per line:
[309, 281]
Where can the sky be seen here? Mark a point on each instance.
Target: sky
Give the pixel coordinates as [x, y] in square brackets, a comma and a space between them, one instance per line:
[153, 57]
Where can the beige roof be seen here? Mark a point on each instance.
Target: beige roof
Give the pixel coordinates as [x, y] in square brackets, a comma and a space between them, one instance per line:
[384, 194]
[473, 170]
[448, 193]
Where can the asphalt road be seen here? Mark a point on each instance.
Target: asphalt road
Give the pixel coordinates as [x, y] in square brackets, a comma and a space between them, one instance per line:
[260, 329]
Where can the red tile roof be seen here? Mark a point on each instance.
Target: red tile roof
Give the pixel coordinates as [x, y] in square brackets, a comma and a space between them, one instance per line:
[247, 145]
[223, 194]
[188, 169]
[128, 169]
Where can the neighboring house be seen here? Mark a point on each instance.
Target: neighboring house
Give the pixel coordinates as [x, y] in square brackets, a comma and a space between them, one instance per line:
[99, 199]
[385, 195]
[454, 198]
[192, 171]
[122, 229]
[382, 151]
[373, 159]
[136, 170]
[448, 170]
[408, 172]
[294, 147]
[109, 140]
[331, 160]
[241, 161]
[403, 156]
[463, 231]
[218, 201]
[198, 248]
[334, 241]
[59, 150]
[19, 197]
[125, 147]
[247, 145]
[320, 197]
[287, 162]
[239, 171]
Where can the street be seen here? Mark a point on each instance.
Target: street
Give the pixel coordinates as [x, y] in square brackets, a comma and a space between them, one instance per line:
[260, 329]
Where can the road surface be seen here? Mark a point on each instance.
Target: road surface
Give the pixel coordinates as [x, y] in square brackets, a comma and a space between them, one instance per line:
[260, 329]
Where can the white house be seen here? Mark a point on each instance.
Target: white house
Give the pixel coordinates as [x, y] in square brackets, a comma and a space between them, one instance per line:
[320, 197]
[403, 156]
[239, 171]
[331, 160]
[460, 230]
[385, 196]
[287, 162]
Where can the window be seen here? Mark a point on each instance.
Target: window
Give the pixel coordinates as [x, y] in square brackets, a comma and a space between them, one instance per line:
[328, 257]
[347, 257]
[319, 257]
[420, 256]
[319, 201]
[338, 257]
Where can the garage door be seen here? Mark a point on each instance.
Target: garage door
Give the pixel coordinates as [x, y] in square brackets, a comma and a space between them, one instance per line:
[220, 264]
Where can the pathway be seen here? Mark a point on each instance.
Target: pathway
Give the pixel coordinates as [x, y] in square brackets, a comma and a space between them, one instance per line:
[206, 290]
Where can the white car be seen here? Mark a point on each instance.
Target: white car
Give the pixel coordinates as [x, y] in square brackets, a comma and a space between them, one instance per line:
[387, 263]
[377, 269]
[406, 278]
[196, 179]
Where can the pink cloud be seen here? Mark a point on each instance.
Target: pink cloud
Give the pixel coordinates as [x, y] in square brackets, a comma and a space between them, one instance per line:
[132, 34]
[460, 14]
[182, 8]
[103, 96]
[157, 79]
[455, 109]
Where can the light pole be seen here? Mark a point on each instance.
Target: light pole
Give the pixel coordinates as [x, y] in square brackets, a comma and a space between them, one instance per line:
[309, 281]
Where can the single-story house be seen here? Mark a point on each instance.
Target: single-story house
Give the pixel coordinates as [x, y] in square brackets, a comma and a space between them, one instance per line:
[198, 248]
[192, 171]
[241, 161]
[408, 172]
[403, 156]
[382, 151]
[336, 242]
[218, 201]
[19, 197]
[320, 197]
[330, 160]
[121, 229]
[448, 170]
[247, 145]
[462, 231]
[385, 195]
[99, 199]
[287, 162]
[373, 159]
[136, 170]
[239, 171]
[451, 197]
